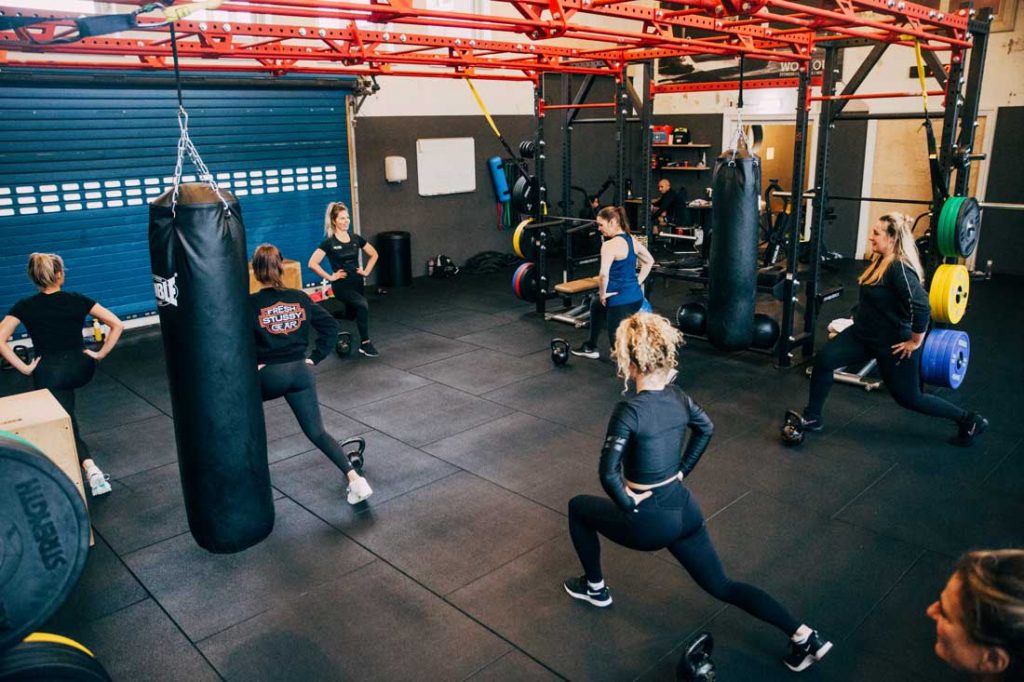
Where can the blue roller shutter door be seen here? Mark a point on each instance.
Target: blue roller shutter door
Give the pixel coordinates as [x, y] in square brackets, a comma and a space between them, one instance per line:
[79, 164]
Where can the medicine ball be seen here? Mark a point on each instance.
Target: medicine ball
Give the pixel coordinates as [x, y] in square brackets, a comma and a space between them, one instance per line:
[766, 332]
[692, 318]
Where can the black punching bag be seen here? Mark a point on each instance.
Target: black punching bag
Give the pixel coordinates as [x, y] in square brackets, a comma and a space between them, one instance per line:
[201, 281]
[732, 266]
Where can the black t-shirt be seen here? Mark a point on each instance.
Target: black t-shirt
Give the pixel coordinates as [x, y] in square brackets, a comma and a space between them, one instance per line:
[890, 310]
[654, 424]
[343, 255]
[54, 321]
[282, 319]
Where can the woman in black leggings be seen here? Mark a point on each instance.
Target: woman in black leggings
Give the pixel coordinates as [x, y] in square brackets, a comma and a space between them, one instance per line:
[889, 326]
[281, 323]
[342, 248]
[650, 509]
[54, 319]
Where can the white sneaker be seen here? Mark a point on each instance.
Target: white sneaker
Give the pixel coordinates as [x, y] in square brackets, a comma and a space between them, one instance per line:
[99, 482]
[358, 490]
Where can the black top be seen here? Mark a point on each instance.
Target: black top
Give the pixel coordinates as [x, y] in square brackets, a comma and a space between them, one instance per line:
[54, 321]
[281, 323]
[343, 255]
[654, 423]
[666, 205]
[890, 310]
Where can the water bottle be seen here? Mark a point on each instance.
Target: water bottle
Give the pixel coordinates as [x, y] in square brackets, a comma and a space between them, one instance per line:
[430, 267]
[97, 331]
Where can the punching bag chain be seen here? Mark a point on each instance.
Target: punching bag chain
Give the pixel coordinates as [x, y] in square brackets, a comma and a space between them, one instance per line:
[185, 142]
[740, 136]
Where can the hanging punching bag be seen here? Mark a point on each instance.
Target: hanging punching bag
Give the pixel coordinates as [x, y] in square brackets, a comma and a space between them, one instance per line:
[200, 277]
[732, 265]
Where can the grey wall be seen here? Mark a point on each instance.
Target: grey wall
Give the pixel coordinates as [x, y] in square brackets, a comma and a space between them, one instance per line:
[458, 225]
[1002, 232]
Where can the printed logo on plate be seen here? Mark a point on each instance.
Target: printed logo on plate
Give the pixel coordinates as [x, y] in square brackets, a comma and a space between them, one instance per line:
[282, 318]
[166, 290]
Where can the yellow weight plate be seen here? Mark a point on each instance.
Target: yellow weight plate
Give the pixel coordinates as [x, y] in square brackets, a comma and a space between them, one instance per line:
[57, 639]
[517, 237]
[949, 292]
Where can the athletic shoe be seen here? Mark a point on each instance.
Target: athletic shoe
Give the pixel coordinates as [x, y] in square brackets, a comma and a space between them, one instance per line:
[811, 423]
[801, 656]
[578, 588]
[971, 427]
[585, 351]
[99, 482]
[358, 490]
[367, 349]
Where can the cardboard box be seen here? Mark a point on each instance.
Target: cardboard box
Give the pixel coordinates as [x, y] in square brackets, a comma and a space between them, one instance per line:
[292, 276]
[37, 417]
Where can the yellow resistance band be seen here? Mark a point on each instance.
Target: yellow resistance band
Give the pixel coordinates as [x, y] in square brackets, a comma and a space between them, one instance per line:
[57, 639]
[920, 74]
[483, 108]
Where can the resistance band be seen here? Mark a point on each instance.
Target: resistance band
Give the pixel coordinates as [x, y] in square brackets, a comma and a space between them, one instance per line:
[494, 127]
[938, 182]
[87, 27]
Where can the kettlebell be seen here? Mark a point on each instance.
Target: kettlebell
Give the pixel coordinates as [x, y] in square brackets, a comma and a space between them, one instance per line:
[343, 346]
[792, 429]
[696, 664]
[353, 449]
[559, 352]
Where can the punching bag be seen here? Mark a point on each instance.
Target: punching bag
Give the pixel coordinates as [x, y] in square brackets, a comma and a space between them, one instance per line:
[201, 282]
[732, 265]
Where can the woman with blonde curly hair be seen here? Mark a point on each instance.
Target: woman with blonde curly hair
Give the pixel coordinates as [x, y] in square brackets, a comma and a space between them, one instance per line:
[889, 326]
[642, 471]
[979, 617]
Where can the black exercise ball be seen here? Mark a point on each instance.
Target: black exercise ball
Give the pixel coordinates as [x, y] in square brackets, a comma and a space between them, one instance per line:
[692, 318]
[766, 332]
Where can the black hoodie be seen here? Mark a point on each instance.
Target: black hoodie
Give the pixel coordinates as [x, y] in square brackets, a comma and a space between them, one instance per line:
[281, 322]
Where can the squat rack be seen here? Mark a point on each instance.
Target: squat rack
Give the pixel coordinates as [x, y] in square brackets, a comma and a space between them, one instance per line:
[385, 37]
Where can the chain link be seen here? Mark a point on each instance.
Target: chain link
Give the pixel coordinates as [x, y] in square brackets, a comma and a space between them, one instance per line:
[185, 146]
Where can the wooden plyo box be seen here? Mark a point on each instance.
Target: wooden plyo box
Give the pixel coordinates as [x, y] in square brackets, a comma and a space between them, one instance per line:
[292, 276]
[37, 417]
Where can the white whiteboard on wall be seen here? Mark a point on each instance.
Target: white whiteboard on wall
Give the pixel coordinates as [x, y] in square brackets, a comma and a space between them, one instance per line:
[445, 165]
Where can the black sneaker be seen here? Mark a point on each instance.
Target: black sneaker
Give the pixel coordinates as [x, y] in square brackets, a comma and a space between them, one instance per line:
[367, 349]
[971, 427]
[585, 351]
[811, 423]
[802, 656]
[579, 589]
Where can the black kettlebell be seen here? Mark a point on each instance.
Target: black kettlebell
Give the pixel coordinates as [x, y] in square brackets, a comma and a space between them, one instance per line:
[696, 664]
[793, 429]
[343, 346]
[353, 449]
[559, 352]
[23, 353]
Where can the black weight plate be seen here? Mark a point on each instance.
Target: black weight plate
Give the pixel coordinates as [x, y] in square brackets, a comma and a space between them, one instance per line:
[968, 223]
[44, 538]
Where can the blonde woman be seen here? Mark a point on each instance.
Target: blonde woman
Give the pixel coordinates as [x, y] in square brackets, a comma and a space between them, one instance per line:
[889, 326]
[283, 320]
[54, 320]
[979, 617]
[347, 278]
[642, 472]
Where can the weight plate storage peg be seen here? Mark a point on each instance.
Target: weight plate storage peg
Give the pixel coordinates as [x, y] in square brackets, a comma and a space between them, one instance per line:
[44, 538]
[951, 285]
[559, 352]
[945, 357]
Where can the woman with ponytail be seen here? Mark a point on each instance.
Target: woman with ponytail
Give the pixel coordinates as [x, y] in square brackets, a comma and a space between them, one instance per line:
[620, 293]
[644, 461]
[54, 320]
[889, 326]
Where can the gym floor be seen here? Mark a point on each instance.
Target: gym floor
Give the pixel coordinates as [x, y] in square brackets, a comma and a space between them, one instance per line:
[475, 444]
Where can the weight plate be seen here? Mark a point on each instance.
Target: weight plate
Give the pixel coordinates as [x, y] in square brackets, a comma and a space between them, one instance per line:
[947, 226]
[44, 538]
[949, 292]
[523, 284]
[522, 241]
[967, 226]
[516, 277]
[945, 358]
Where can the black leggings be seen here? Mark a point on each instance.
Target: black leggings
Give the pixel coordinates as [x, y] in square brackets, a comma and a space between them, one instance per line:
[62, 372]
[901, 377]
[352, 295]
[669, 518]
[295, 381]
[608, 318]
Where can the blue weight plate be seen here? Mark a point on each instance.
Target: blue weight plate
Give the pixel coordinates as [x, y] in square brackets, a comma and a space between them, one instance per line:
[959, 357]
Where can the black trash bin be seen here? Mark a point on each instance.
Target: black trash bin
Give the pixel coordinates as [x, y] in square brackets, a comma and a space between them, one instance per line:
[395, 266]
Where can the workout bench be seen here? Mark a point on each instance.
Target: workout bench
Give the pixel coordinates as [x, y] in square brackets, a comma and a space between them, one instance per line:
[578, 316]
